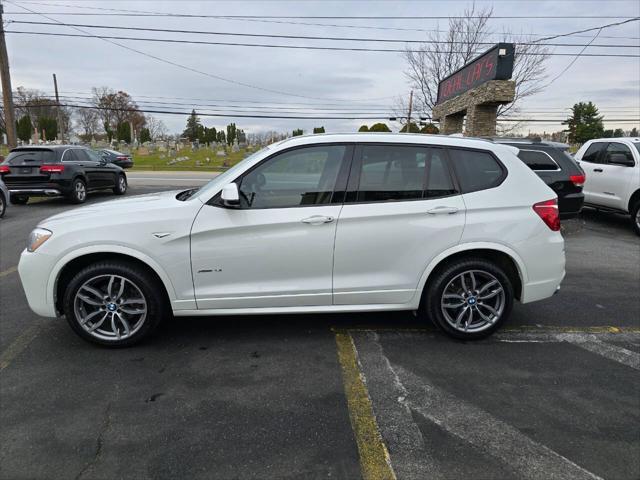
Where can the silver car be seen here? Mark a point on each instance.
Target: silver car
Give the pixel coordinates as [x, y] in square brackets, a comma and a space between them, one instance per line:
[4, 198]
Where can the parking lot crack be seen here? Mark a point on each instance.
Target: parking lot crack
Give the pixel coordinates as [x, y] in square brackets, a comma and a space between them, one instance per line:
[106, 425]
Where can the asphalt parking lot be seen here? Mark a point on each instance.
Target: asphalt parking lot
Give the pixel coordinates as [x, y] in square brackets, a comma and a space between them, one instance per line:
[556, 394]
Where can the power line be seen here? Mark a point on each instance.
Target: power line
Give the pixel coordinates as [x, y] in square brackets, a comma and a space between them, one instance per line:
[297, 117]
[176, 64]
[294, 47]
[309, 37]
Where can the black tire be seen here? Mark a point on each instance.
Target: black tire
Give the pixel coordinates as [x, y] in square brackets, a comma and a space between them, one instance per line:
[78, 192]
[432, 305]
[157, 306]
[19, 199]
[121, 185]
[3, 204]
[635, 217]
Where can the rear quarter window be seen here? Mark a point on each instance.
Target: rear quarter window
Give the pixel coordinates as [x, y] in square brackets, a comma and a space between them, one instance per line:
[476, 170]
[30, 156]
[538, 160]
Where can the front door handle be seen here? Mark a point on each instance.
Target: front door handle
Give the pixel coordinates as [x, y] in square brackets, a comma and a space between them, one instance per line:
[317, 220]
[597, 170]
[442, 209]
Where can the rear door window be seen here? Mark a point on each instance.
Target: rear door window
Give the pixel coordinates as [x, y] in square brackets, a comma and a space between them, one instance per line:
[617, 148]
[30, 156]
[402, 172]
[538, 160]
[592, 155]
[477, 170]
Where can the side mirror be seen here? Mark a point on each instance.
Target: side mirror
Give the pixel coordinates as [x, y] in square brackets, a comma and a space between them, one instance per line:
[230, 195]
[621, 159]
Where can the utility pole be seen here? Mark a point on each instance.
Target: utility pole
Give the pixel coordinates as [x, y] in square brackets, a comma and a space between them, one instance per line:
[410, 108]
[7, 95]
[60, 129]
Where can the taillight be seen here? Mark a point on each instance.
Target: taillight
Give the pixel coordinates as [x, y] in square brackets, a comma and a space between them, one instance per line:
[122, 158]
[51, 168]
[578, 180]
[4, 169]
[548, 212]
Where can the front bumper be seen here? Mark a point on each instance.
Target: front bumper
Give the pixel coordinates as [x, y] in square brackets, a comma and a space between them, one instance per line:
[34, 270]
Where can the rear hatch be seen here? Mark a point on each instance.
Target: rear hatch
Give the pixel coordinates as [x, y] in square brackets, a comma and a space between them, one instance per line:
[24, 165]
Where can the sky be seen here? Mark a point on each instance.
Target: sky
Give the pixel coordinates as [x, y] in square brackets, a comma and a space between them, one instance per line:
[294, 80]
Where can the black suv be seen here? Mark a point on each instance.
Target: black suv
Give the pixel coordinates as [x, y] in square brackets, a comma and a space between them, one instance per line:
[556, 167]
[54, 170]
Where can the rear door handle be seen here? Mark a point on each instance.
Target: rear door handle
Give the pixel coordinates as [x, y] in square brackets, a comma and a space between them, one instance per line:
[317, 220]
[442, 209]
[597, 170]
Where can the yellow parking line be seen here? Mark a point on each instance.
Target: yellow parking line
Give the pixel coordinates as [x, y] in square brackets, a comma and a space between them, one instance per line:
[375, 463]
[18, 345]
[8, 271]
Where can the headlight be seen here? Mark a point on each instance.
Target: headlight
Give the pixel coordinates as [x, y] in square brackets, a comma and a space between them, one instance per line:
[37, 237]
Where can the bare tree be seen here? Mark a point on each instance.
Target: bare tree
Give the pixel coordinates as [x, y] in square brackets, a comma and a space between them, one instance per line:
[466, 38]
[157, 128]
[38, 106]
[88, 120]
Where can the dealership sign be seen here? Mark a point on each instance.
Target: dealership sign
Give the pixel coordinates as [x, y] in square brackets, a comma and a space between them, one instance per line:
[495, 64]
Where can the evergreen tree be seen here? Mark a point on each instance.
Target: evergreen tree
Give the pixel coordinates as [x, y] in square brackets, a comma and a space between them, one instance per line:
[618, 132]
[584, 123]
[634, 132]
[24, 128]
[123, 132]
[318, 130]
[145, 135]
[363, 128]
[413, 128]
[221, 137]
[193, 128]
[231, 133]
[49, 126]
[297, 132]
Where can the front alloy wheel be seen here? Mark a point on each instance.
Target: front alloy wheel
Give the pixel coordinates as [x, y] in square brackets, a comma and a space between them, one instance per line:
[114, 303]
[121, 185]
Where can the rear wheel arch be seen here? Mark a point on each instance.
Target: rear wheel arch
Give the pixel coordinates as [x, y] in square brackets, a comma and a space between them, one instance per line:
[71, 268]
[498, 257]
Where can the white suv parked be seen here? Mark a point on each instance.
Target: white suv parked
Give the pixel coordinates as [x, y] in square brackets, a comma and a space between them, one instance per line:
[612, 167]
[454, 228]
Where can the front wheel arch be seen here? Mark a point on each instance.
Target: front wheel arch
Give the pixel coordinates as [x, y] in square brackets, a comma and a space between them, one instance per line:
[75, 265]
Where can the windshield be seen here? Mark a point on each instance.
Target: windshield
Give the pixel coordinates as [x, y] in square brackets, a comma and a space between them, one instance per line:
[637, 145]
[33, 156]
[229, 175]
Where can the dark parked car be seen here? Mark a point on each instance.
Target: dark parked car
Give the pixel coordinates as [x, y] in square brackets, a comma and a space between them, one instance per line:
[66, 170]
[123, 160]
[556, 167]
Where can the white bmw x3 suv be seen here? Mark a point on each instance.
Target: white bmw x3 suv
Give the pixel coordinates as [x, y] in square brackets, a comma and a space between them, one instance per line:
[454, 228]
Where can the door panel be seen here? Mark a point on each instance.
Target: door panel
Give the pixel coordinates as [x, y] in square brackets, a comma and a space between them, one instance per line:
[275, 249]
[263, 257]
[613, 182]
[383, 249]
[403, 209]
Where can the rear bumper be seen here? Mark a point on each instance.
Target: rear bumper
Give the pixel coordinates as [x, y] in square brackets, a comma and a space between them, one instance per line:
[48, 189]
[570, 205]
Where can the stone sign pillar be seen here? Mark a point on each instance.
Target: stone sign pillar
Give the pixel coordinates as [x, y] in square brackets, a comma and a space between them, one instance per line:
[480, 105]
[475, 91]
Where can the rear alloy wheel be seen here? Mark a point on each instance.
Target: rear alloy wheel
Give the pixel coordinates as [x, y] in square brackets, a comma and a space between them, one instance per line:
[19, 199]
[78, 192]
[113, 304]
[121, 185]
[635, 217]
[470, 299]
[3, 205]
